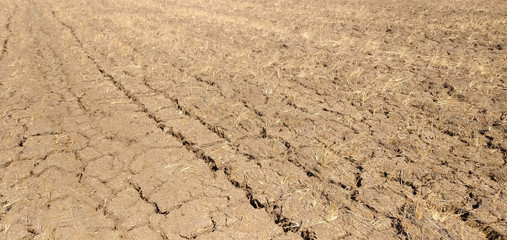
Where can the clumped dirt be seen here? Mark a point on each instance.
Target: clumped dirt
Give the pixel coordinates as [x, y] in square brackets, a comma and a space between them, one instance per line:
[253, 119]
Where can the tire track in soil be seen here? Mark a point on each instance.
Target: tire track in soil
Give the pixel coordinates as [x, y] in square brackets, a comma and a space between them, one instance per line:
[40, 55]
[9, 34]
[280, 220]
[53, 64]
[102, 209]
[23, 134]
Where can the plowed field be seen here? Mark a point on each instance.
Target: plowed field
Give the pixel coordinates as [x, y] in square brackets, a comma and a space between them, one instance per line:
[220, 119]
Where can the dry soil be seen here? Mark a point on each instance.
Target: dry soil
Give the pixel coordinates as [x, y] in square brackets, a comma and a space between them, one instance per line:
[256, 119]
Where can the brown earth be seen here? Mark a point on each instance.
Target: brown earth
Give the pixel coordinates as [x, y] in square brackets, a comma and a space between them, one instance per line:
[253, 119]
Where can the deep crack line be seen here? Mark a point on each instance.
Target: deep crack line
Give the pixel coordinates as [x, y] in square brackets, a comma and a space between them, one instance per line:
[144, 198]
[8, 37]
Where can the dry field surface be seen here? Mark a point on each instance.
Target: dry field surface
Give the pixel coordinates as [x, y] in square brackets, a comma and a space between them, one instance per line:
[220, 119]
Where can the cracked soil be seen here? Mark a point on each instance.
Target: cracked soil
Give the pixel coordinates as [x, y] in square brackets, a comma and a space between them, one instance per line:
[219, 119]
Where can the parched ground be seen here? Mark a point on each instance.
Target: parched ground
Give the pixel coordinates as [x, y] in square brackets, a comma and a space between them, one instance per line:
[220, 119]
